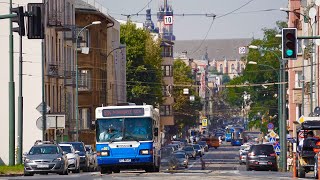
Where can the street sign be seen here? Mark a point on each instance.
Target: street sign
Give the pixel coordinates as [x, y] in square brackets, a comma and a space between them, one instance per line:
[301, 119]
[54, 121]
[273, 134]
[242, 50]
[204, 122]
[40, 107]
[270, 126]
[277, 149]
[168, 20]
[272, 140]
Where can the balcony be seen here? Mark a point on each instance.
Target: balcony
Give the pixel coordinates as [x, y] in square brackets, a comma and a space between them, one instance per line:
[59, 16]
[70, 82]
[55, 70]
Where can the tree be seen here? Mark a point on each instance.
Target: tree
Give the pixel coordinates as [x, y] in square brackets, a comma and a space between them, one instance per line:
[186, 113]
[144, 74]
[263, 98]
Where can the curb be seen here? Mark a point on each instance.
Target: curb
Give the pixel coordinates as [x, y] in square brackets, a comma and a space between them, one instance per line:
[10, 175]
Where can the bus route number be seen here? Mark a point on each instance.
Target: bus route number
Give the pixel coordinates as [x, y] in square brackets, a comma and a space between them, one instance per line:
[168, 20]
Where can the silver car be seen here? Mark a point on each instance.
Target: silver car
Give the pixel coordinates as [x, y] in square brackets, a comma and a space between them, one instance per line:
[44, 159]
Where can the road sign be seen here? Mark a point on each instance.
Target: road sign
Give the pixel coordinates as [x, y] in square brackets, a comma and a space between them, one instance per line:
[301, 119]
[277, 149]
[273, 134]
[204, 122]
[54, 121]
[168, 20]
[272, 140]
[242, 50]
[40, 107]
[270, 126]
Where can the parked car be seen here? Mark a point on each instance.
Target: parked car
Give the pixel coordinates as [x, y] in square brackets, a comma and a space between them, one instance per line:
[236, 142]
[92, 158]
[204, 145]
[45, 157]
[84, 156]
[73, 157]
[261, 156]
[198, 149]
[183, 160]
[191, 152]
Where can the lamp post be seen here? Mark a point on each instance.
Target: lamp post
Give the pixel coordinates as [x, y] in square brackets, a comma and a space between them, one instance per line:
[77, 76]
[281, 108]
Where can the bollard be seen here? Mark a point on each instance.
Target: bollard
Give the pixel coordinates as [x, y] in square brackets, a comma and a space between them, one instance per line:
[318, 154]
[203, 164]
[294, 165]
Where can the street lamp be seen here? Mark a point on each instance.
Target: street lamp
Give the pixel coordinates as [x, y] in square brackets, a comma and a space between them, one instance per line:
[281, 106]
[77, 76]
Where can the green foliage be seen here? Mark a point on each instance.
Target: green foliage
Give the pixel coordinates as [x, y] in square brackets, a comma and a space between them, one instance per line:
[225, 78]
[144, 74]
[263, 99]
[186, 112]
[18, 169]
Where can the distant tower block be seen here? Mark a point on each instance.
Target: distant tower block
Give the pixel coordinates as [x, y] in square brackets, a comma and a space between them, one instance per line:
[165, 9]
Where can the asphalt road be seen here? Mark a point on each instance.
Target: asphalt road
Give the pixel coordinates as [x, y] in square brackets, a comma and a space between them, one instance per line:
[221, 163]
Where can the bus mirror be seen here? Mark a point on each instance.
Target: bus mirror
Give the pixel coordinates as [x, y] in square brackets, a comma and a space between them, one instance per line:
[156, 132]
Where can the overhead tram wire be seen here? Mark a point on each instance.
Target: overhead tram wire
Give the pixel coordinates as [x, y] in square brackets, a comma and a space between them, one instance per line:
[216, 17]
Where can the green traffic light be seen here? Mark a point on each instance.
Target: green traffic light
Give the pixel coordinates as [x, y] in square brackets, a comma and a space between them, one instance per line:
[289, 52]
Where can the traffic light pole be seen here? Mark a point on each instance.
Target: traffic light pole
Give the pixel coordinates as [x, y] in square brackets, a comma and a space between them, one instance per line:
[11, 96]
[20, 108]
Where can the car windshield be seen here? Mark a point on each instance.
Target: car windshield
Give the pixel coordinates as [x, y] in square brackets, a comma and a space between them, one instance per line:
[66, 149]
[78, 146]
[188, 148]
[180, 155]
[124, 129]
[87, 148]
[202, 143]
[44, 150]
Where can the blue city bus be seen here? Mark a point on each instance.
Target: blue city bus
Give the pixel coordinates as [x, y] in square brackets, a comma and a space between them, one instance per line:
[127, 137]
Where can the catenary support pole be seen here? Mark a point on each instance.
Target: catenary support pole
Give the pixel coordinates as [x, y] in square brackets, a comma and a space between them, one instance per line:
[20, 107]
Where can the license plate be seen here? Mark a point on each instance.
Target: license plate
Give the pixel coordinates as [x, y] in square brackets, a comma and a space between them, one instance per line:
[263, 163]
[124, 160]
[43, 166]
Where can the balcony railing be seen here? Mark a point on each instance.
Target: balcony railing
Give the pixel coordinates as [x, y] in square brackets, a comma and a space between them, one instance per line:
[97, 6]
[55, 70]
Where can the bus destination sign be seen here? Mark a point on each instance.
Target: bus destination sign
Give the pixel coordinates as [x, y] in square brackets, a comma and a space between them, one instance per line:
[123, 112]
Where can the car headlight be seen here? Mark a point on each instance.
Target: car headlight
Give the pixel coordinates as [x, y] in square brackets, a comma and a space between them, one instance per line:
[28, 161]
[57, 159]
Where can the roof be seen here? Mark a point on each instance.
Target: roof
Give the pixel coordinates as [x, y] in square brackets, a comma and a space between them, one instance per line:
[83, 5]
[216, 48]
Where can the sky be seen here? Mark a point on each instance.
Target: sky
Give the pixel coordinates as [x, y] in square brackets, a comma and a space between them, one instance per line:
[246, 22]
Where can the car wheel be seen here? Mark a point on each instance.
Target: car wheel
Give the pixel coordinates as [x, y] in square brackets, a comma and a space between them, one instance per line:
[301, 171]
[105, 171]
[116, 171]
[28, 174]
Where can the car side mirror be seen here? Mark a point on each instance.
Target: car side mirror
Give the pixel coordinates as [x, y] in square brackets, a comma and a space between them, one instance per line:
[25, 153]
[64, 153]
[77, 152]
[156, 132]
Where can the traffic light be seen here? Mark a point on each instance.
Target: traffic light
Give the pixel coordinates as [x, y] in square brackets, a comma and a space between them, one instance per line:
[35, 22]
[19, 19]
[289, 43]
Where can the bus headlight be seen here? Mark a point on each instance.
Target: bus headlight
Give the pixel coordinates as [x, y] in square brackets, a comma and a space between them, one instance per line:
[144, 151]
[103, 153]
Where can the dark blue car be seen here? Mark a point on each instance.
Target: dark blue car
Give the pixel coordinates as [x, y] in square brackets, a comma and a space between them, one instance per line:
[236, 142]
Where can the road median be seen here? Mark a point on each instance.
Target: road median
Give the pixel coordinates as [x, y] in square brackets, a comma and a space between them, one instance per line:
[11, 170]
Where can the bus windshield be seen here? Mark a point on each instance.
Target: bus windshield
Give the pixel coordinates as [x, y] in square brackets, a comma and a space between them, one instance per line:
[124, 129]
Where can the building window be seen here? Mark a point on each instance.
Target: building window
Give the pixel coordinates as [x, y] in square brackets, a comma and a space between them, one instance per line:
[298, 79]
[85, 118]
[166, 110]
[167, 71]
[167, 91]
[166, 51]
[232, 68]
[221, 68]
[84, 80]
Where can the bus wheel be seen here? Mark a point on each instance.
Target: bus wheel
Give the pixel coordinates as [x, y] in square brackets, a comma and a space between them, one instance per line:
[116, 170]
[105, 171]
